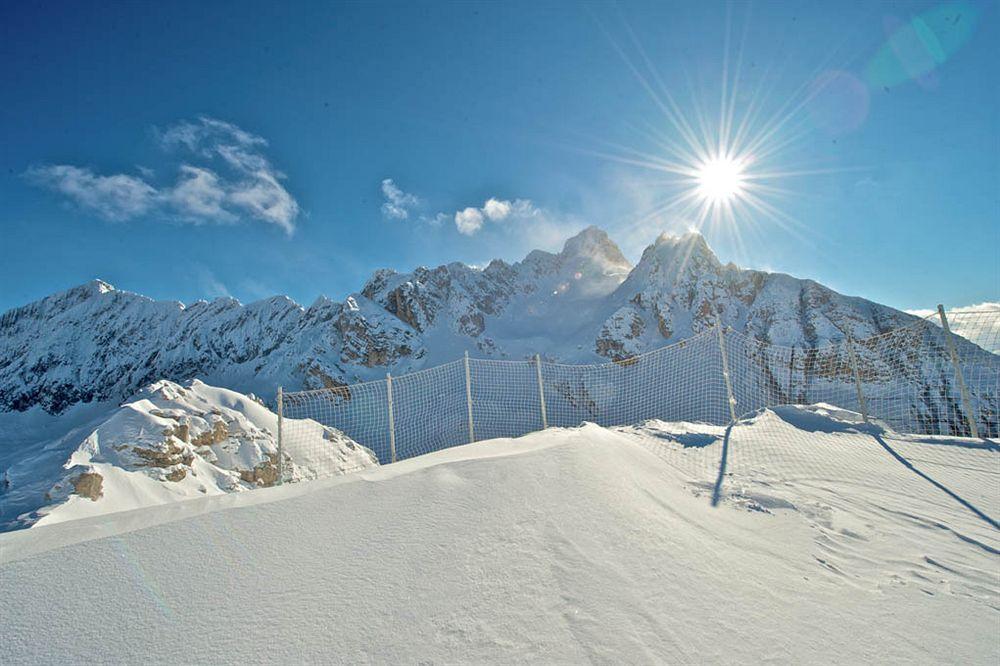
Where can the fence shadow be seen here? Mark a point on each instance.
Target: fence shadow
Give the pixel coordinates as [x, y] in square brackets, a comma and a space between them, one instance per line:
[955, 496]
[951, 441]
[717, 490]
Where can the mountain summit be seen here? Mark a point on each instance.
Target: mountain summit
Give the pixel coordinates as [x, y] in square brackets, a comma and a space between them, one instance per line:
[587, 303]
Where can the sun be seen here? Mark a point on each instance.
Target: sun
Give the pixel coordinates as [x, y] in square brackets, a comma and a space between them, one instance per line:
[720, 179]
[732, 174]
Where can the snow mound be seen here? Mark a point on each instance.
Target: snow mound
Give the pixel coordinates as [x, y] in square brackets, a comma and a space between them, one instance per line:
[795, 536]
[172, 442]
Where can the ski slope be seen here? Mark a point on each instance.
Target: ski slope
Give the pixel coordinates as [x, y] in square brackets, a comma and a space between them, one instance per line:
[822, 540]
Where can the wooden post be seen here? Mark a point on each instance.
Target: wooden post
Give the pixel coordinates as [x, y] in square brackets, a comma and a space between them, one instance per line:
[468, 398]
[541, 391]
[857, 378]
[392, 422]
[281, 453]
[725, 372]
[966, 401]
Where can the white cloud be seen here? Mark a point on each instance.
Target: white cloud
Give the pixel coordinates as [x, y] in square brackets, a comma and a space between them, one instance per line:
[496, 210]
[207, 135]
[242, 184]
[979, 323]
[397, 202]
[264, 198]
[435, 220]
[400, 205]
[210, 285]
[469, 221]
[117, 198]
[987, 306]
[199, 194]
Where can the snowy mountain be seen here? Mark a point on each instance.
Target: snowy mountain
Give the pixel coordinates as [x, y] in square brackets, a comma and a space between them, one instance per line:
[69, 447]
[584, 304]
[169, 442]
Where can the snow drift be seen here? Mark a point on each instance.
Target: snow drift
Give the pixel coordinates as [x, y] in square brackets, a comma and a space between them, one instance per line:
[798, 535]
[169, 442]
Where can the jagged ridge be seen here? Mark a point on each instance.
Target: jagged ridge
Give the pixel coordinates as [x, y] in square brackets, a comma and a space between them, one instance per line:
[586, 303]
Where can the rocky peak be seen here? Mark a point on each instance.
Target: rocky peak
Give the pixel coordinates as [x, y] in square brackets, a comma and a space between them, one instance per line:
[94, 343]
[690, 247]
[593, 245]
[672, 259]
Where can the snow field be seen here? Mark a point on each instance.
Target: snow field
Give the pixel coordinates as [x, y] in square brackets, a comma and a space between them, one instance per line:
[563, 546]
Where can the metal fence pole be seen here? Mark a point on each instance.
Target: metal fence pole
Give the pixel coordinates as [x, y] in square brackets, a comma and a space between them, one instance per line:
[541, 391]
[392, 422]
[725, 372]
[857, 377]
[966, 402]
[468, 398]
[281, 456]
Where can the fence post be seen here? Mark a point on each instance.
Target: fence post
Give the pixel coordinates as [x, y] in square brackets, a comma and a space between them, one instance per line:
[966, 402]
[392, 422]
[791, 377]
[281, 456]
[725, 372]
[541, 391]
[857, 378]
[468, 397]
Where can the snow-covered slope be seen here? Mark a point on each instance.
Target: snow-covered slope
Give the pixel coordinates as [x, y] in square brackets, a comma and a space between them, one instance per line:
[169, 442]
[831, 542]
[587, 303]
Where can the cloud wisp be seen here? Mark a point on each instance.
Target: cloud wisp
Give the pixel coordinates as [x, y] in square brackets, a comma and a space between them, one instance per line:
[470, 220]
[223, 177]
[397, 204]
[400, 205]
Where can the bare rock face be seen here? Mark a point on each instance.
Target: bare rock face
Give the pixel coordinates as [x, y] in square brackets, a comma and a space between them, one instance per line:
[89, 485]
[620, 335]
[369, 341]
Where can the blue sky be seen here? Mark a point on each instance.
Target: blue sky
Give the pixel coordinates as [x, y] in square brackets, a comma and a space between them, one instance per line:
[187, 151]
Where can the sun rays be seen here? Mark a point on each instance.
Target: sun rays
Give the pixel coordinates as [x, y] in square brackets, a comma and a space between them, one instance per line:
[732, 170]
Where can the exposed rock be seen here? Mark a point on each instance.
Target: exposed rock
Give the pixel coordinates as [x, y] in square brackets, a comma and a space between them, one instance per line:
[176, 474]
[168, 455]
[264, 474]
[337, 387]
[218, 434]
[89, 485]
[181, 431]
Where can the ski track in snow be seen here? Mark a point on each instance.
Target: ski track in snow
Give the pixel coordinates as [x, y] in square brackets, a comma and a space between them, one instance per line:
[565, 546]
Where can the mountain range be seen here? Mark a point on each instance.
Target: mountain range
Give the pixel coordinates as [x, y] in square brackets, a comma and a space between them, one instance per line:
[188, 375]
[585, 304]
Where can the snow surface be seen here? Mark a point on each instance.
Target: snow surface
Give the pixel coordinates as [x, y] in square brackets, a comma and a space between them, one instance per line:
[169, 442]
[802, 536]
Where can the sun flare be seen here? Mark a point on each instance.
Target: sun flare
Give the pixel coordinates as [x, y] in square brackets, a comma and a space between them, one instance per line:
[720, 179]
[725, 158]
